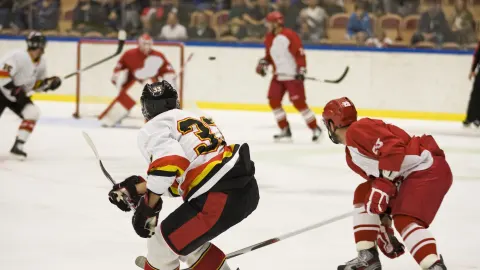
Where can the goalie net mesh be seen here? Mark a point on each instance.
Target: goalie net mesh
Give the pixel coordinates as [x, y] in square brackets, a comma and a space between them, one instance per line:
[94, 89]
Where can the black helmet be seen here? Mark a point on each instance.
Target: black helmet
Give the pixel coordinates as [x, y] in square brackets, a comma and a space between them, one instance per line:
[36, 40]
[157, 98]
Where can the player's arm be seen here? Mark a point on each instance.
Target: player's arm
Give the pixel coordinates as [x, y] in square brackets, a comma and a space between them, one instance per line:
[7, 74]
[44, 84]
[476, 60]
[264, 62]
[119, 67]
[296, 49]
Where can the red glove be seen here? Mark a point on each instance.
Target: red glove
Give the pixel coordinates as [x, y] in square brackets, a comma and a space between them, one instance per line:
[262, 67]
[379, 196]
[387, 242]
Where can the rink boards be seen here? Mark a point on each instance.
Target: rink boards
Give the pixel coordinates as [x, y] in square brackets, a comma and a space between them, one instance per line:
[417, 84]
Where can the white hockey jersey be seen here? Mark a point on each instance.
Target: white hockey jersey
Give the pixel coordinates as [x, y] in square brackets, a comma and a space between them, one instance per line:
[19, 68]
[187, 154]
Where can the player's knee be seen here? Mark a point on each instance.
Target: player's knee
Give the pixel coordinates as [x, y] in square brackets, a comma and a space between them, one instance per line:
[299, 104]
[31, 112]
[401, 222]
[360, 192]
[207, 257]
[275, 103]
[159, 255]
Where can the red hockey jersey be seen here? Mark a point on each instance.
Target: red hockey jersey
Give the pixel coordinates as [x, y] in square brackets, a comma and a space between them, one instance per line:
[375, 149]
[143, 67]
[285, 52]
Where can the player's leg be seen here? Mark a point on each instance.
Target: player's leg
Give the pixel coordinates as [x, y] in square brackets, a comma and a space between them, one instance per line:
[366, 228]
[296, 91]
[119, 108]
[276, 92]
[30, 113]
[415, 207]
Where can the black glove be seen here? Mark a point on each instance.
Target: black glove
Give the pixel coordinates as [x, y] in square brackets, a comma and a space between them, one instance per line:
[125, 193]
[52, 83]
[301, 74]
[262, 67]
[145, 218]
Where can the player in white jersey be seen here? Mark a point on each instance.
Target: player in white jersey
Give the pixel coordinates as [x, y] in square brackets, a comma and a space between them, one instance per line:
[21, 72]
[188, 157]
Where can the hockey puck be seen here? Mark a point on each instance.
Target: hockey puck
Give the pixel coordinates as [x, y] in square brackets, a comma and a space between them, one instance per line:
[212, 58]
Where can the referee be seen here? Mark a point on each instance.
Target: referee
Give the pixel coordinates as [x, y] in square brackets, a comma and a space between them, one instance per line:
[473, 110]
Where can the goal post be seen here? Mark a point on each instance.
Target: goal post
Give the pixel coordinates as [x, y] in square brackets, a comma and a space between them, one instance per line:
[94, 89]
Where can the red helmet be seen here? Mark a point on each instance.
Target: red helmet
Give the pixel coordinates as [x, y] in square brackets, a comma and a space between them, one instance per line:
[340, 111]
[145, 43]
[275, 17]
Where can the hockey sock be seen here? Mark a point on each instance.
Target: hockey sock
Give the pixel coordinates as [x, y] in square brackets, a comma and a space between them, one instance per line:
[418, 240]
[279, 114]
[25, 129]
[211, 258]
[365, 226]
[307, 114]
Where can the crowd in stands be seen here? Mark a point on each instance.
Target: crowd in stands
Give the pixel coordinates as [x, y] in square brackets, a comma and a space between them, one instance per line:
[380, 23]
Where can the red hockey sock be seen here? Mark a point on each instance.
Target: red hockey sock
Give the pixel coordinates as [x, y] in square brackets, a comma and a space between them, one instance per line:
[365, 226]
[279, 113]
[418, 240]
[25, 129]
[212, 258]
[307, 114]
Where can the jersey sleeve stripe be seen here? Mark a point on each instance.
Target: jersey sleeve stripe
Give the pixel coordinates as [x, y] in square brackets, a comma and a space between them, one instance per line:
[176, 164]
[196, 177]
[164, 173]
[4, 74]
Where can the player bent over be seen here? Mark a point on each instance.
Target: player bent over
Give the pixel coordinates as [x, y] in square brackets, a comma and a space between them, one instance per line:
[141, 64]
[407, 179]
[23, 71]
[284, 50]
[188, 157]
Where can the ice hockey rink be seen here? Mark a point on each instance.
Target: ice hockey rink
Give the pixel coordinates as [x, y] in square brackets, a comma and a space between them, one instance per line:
[56, 215]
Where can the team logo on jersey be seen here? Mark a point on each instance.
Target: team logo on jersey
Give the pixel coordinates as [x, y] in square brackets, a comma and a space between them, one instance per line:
[377, 146]
[7, 68]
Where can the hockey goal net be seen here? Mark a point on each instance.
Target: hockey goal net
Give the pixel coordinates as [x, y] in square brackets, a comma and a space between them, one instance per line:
[94, 89]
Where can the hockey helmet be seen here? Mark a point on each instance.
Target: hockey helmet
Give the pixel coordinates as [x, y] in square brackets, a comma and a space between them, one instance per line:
[275, 17]
[145, 43]
[36, 40]
[341, 112]
[157, 98]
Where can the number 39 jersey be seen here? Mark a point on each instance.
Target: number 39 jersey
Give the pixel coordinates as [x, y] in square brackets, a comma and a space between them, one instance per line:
[187, 154]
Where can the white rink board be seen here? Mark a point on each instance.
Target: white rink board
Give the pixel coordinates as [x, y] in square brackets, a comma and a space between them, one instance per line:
[420, 82]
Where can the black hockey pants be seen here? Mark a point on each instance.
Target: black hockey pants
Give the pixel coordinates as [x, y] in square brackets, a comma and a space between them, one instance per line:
[473, 110]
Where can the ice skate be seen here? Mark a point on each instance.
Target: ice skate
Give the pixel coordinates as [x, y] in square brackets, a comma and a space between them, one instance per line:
[367, 260]
[317, 132]
[476, 123]
[17, 150]
[438, 265]
[466, 123]
[284, 135]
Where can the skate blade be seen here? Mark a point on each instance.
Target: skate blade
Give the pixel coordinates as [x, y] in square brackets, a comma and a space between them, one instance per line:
[283, 140]
[18, 157]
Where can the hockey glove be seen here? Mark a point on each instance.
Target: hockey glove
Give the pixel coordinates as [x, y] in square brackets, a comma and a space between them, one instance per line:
[262, 67]
[125, 193]
[51, 83]
[301, 74]
[386, 240]
[376, 201]
[145, 218]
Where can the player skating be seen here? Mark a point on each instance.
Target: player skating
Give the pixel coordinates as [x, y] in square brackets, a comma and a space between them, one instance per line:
[142, 64]
[407, 178]
[189, 157]
[21, 72]
[284, 50]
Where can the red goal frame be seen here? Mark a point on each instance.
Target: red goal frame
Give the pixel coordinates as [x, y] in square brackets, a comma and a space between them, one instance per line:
[179, 45]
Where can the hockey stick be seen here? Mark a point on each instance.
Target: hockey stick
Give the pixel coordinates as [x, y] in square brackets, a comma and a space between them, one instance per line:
[94, 149]
[141, 260]
[122, 35]
[344, 74]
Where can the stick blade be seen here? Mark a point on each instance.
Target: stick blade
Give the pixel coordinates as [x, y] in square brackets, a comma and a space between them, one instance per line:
[91, 144]
[345, 72]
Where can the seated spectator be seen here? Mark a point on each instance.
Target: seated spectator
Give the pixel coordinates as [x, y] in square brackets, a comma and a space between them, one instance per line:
[5, 13]
[463, 24]
[359, 25]
[373, 6]
[332, 8]
[255, 18]
[316, 19]
[48, 15]
[290, 13]
[201, 30]
[380, 40]
[173, 30]
[113, 12]
[407, 7]
[155, 16]
[131, 13]
[433, 26]
[88, 15]
[236, 29]
[237, 10]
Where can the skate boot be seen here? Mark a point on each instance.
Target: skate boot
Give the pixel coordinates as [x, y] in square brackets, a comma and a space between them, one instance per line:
[466, 123]
[316, 134]
[476, 123]
[285, 134]
[367, 260]
[438, 265]
[17, 150]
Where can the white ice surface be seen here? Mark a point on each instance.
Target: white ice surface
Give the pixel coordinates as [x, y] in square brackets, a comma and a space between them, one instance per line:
[55, 213]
